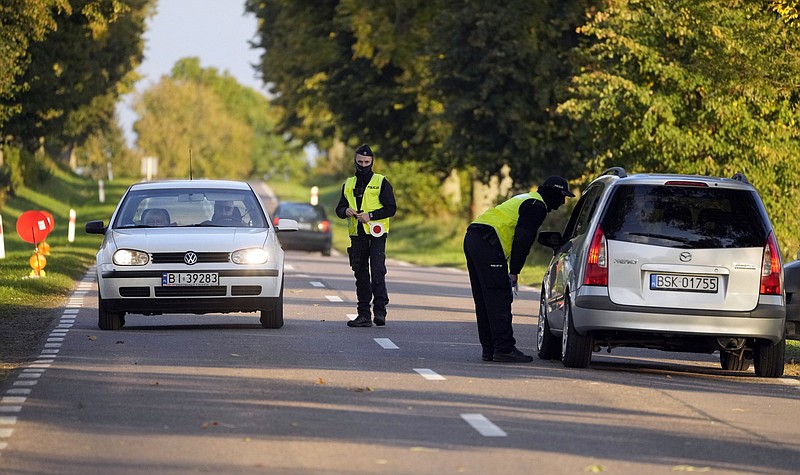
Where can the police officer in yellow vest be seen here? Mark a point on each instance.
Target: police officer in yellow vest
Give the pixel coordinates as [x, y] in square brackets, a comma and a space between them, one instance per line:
[496, 246]
[367, 202]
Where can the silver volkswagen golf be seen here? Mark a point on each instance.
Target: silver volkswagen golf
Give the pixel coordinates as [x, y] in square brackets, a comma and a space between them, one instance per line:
[189, 246]
[672, 262]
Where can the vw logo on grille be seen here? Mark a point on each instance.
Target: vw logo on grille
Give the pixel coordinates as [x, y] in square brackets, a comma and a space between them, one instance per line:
[190, 258]
[686, 256]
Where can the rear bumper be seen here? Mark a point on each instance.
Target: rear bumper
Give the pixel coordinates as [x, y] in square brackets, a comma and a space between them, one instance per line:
[305, 241]
[598, 313]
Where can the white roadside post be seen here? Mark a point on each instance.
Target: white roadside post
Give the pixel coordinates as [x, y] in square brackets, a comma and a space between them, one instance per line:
[101, 188]
[2, 241]
[314, 195]
[71, 227]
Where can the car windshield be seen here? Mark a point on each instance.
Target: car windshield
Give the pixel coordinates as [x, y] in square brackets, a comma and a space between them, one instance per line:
[692, 217]
[190, 207]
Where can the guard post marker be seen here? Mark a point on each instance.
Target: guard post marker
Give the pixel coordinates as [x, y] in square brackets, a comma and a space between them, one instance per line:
[71, 227]
[2, 241]
[314, 195]
[101, 189]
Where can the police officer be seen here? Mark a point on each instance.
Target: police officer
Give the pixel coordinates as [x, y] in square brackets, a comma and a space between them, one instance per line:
[496, 246]
[367, 202]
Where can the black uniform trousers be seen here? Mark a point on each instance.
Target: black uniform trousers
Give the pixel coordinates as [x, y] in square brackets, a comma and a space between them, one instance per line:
[368, 261]
[491, 289]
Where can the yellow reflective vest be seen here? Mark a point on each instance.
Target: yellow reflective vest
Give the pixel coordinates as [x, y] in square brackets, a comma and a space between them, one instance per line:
[503, 218]
[369, 202]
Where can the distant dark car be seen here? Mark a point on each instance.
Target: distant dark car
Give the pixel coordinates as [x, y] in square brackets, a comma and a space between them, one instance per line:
[313, 228]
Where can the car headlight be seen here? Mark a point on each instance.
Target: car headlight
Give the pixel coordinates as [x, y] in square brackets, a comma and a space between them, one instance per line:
[129, 257]
[250, 256]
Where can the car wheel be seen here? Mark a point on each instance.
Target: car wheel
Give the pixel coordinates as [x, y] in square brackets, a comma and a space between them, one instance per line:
[272, 317]
[768, 359]
[576, 349]
[326, 251]
[732, 362]
[546, 343]
[109, 320]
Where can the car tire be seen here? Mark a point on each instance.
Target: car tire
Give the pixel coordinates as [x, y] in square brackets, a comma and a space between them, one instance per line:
[272, 317]
[326, 251]
[547, 344]
[768, 359]
[730, 362]
[576, 349]
[108, 320]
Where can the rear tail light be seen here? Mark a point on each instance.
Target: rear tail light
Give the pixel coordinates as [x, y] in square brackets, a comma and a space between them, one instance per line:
[275, 220]
[324, 226]
[771, 268]
[597, 261]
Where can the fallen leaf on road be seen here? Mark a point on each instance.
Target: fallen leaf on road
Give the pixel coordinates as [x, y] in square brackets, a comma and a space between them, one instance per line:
[689, 468]
[360, 390]
[154, 383]
[320, 381]
[206, 425]
[594, 469]
[92, 337]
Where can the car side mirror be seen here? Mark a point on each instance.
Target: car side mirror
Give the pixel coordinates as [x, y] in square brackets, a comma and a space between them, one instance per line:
[286, 225]
[551, 239]
[95, 227]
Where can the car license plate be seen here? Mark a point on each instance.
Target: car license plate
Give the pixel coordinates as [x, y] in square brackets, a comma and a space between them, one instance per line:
[304, 226]
[685, 283]
[189, 278]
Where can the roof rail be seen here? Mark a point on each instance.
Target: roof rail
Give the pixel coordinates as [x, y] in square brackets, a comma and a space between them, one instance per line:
[619, 171]
[740, 177]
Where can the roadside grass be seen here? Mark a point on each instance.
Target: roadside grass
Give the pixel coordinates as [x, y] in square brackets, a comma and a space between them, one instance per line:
[67, 260]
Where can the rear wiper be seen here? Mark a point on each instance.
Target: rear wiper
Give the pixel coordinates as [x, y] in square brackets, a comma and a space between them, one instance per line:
[661, 236]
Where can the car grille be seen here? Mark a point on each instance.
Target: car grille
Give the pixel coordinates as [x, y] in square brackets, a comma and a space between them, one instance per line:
[245, 289]
[177, 257]
[191, 291]
[134, 291]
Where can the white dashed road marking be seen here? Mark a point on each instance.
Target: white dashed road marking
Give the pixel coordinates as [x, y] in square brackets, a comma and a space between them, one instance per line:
[386, 344]
[334, 298]
[352, 316]
[484, 426]
[429, 374]
[317, 284]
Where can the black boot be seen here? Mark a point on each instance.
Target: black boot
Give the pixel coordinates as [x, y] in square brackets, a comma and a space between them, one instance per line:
[513, 356]
[360, 321]
[380, 320]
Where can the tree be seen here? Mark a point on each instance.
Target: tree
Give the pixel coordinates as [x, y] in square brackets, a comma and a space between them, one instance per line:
[79, 70]
[23, 22]
[182, 119]
[271, 152]
[702, 87]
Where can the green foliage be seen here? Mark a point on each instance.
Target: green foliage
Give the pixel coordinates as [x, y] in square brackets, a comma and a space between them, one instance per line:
[178, 117]
[78, 71]
[416, 188]
[693, 87]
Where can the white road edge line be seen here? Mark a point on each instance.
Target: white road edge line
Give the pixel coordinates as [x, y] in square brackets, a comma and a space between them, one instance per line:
[429, 374]
[484, 426]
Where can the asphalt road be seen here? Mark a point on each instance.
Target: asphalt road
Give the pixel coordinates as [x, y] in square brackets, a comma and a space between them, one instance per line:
[219, 394]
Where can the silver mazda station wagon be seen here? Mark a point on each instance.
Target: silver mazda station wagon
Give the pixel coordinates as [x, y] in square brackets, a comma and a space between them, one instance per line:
[680, 263]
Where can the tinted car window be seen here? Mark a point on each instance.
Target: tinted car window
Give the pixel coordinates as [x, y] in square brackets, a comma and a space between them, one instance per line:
[579, 221]
[685, 216]
[300, 212]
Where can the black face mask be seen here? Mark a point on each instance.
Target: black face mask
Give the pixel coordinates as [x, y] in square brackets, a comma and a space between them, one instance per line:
[553, 197]
[364, 171]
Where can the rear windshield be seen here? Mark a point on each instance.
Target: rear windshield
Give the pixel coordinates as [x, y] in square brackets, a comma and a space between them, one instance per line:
[686, 217]
[299, 211]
